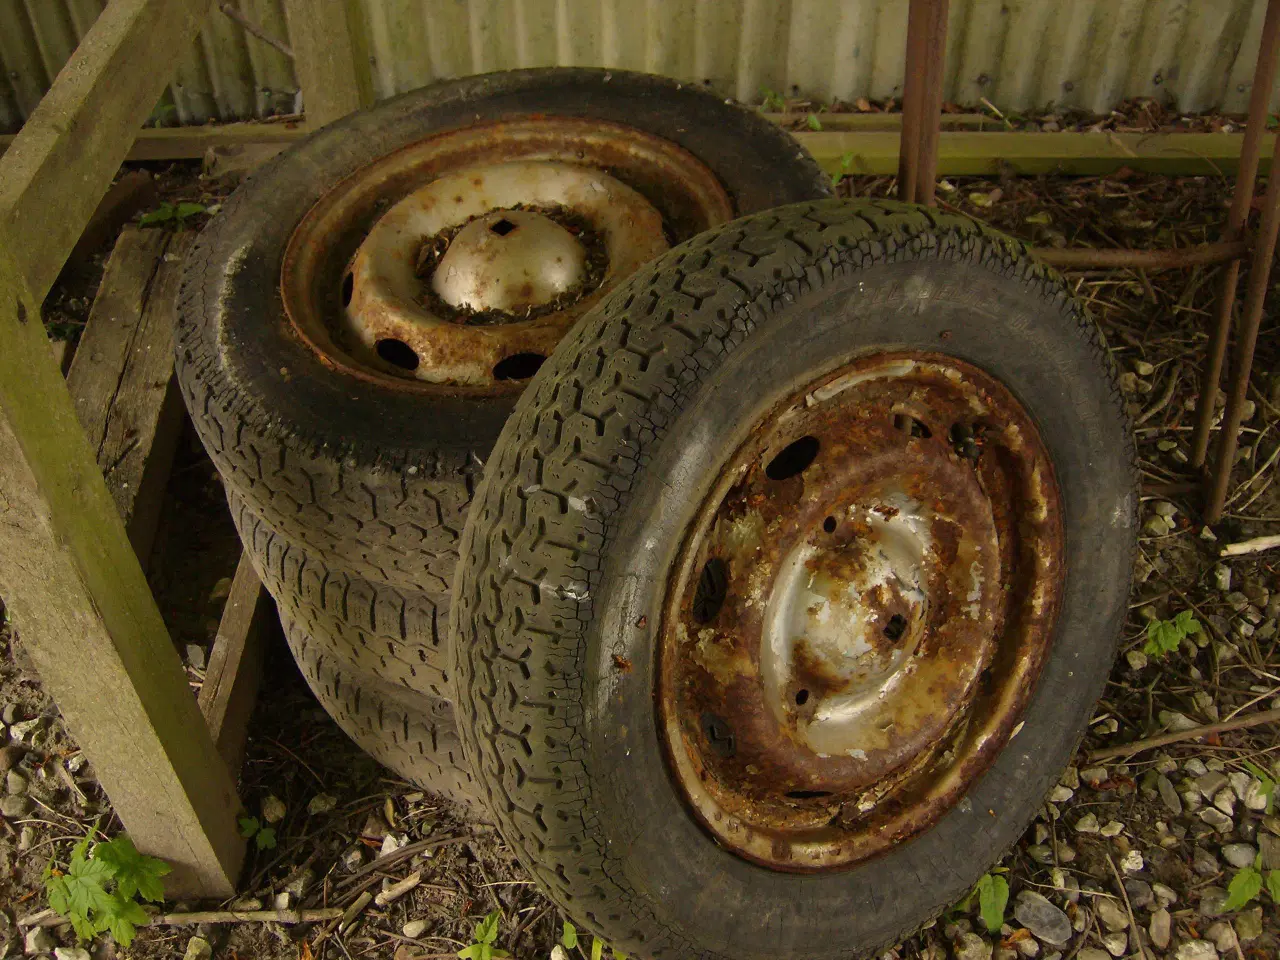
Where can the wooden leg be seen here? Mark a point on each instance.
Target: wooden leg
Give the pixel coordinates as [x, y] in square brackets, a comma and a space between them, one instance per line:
[83, 610]
[235, 665]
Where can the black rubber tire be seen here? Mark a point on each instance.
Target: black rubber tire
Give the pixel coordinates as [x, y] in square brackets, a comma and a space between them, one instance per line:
[556, 606]
[345, 466]
[391, 639]
[419, 743]
[358, 491]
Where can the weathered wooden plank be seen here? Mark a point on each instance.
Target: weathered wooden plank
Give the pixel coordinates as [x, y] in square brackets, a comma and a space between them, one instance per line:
[94, 378]
[187, 143]
[121, 380]
[68, 151]
[84, 612]
[328, 56]
[968, 153]
[872, 148]
[234, 672]
[144, 420]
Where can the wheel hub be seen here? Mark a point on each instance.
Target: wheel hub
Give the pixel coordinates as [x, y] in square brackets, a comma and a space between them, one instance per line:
[860, 611]
[511, 261]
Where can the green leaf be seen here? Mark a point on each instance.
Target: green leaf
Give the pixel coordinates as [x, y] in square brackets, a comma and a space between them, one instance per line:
[1042, 217]
[121, 917]
[249, 826]
[55, 890]
[135, 874]
[568, 936]
[1273, 885]
[185, 210]
[83, 926]
[813, 122]
[86, 885]
[597, 948]
[161, 214]
[1244, 887]
[487, 929]
[1187, 623]
[265, 838]
[497, 952]
[473, 952]
[617, 954]
[993, 897]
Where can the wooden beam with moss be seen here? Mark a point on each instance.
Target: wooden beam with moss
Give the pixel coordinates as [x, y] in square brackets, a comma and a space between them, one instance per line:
[80, 601]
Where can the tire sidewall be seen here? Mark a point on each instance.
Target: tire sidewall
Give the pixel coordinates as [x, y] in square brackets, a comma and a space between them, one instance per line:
[1037, 348]
[247, 338]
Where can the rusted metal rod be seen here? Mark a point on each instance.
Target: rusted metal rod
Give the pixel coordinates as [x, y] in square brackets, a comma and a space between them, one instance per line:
[912, 100]
[1259, 280]
[922, 100]
[1264, 75]
[931, 102]
[1084, 258]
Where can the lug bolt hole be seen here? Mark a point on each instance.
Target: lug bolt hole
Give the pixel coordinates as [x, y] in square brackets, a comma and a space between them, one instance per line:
[397, 353]
[348, 288]
[518, 366]
[829, 525]
[502, 227]
[719, 734]
[713, 587]
[896, 627]
[963, 441]
[793, 459]
[802, 697]
[911, 426]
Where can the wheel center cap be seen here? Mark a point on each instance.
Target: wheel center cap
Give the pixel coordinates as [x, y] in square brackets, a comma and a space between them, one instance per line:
[510, 260]
[845, 614]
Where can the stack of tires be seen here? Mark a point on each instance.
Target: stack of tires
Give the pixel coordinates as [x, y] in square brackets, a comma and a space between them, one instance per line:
[806, 545]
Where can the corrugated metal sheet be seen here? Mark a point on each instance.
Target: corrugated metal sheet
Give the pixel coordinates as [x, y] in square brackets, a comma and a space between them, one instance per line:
[1018, 54]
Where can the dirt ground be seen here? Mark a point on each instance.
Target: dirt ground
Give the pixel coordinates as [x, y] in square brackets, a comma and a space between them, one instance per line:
[1133, 851]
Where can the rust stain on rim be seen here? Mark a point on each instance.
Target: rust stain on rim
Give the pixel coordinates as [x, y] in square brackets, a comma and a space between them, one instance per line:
[317, 261]
[860, 612]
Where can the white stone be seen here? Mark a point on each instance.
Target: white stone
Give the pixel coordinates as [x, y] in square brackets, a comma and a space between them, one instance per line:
[321, 803]
[1116, 943]
[1112, 828]
[1087, 824]
[414, 929]
[1161, 928]
[1196, 950]
[1132, 861]
[273, 809]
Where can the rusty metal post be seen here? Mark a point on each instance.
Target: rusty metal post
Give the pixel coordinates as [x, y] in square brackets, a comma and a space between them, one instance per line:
[922, 100]
[1264, 75]
[1259, 280]
[912, 99]
[931, 102]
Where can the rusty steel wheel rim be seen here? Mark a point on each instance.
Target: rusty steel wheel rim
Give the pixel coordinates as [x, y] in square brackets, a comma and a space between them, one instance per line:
[457, 263]
[860, 611]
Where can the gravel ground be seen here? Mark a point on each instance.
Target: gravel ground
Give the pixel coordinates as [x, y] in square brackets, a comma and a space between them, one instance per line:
[1135, 848]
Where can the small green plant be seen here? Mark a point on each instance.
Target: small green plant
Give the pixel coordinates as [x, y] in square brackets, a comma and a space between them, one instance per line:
[813, 123]
[262, 835]
[1247, 884]
[568, 936]
[98, 890]
[992, 892]
[846, 161]
[483, 938]
[175, 213]
[1165, 636]
[773, 101]
[1268, 785]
